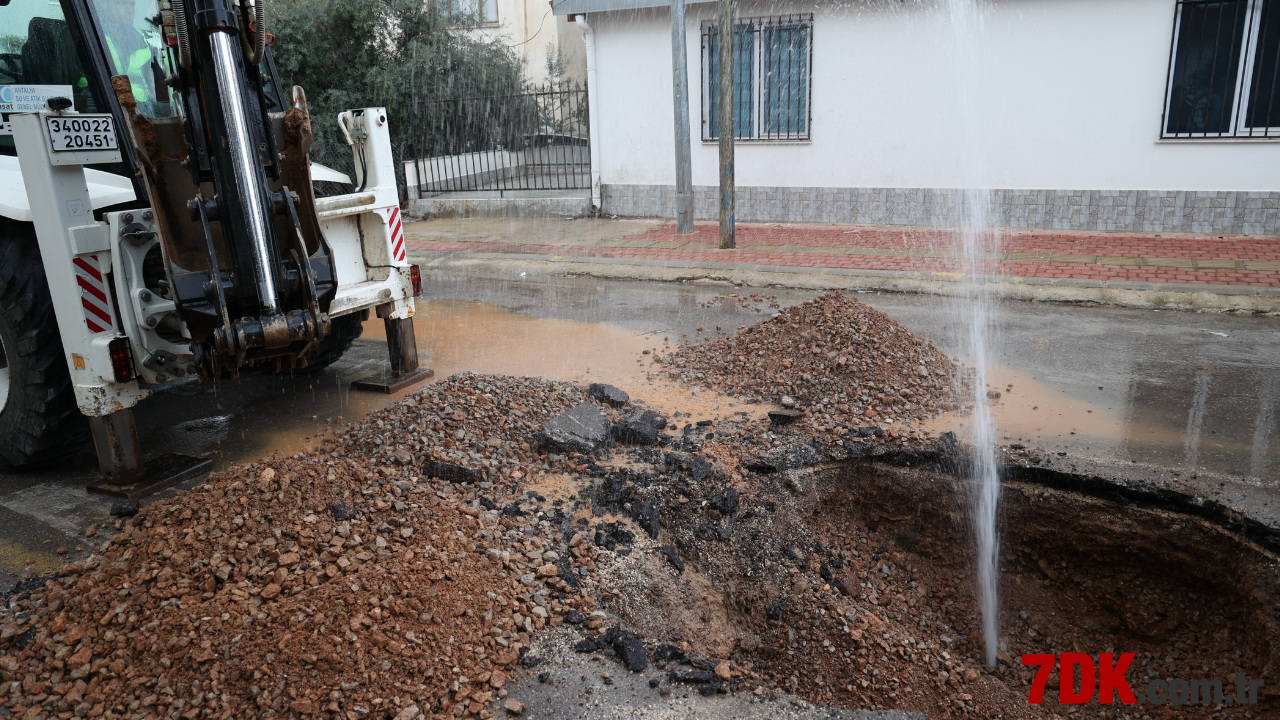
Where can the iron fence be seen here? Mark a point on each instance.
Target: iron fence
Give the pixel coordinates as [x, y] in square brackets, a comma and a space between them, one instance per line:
[533, 139]
[1224, 70]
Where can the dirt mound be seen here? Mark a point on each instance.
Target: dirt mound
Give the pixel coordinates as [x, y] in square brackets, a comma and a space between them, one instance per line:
[743, 557]
[343, 583]
[831, 349]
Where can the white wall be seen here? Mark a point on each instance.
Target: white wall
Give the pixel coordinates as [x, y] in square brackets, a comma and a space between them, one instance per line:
[534, 32]
[1064, 94]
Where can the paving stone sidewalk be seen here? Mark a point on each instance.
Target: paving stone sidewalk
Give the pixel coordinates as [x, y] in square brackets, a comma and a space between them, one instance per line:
[1231, 260]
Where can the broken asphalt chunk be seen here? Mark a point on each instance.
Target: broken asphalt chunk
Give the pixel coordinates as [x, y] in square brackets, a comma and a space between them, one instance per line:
[608, 394]
[667, 653]
[342, 512]
[787, 457]
[629, 648]
[700, 469]
[946, 441]
[646, 515]
[565, 572]
[640, 428]
[451, 473]
[587, 645]
[726, 502]
[672, 557]
[785, 417]
[611, 535]
[581, 429]
[124, 508]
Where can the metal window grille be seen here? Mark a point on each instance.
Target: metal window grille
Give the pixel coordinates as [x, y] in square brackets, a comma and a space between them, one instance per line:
[535, 139]
[1224, 70]
[772, 78]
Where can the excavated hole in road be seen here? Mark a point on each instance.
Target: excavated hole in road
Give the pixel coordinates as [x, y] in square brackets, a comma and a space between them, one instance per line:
[1080, 573]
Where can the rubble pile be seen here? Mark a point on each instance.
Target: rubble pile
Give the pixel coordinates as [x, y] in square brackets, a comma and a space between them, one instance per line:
[470, 428]
[343, 583]
[406, 568]
[831, 349]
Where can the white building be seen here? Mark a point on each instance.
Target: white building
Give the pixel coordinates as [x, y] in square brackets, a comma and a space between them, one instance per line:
[1153, 115]
[535, 32]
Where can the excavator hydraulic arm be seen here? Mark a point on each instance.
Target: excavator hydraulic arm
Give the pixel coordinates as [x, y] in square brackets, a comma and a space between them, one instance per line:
[248, 266]
[167, 180]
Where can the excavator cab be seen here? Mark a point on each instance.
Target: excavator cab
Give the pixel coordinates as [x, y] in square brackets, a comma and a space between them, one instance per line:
[164, 179]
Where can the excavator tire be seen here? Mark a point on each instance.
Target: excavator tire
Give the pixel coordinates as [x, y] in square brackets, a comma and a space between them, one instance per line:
[342, 334]
[39, 421]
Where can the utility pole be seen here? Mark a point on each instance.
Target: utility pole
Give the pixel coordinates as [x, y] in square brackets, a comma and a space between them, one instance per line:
[725, 82]
[680, 86]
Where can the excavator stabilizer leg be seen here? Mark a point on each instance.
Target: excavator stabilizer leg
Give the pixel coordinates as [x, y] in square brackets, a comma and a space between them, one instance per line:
[403, 349]
[124, 475]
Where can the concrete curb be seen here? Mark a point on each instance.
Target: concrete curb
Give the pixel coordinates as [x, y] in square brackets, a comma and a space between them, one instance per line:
[1264, 300]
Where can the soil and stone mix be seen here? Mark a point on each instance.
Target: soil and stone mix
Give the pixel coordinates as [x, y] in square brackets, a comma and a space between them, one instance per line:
[426, 559]
[831, 350]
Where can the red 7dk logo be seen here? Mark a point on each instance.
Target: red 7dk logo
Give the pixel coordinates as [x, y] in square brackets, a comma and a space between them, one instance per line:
[1110, 678]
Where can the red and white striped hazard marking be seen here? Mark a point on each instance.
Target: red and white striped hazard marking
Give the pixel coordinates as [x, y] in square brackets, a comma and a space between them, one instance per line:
[93, 293]
[397, 234]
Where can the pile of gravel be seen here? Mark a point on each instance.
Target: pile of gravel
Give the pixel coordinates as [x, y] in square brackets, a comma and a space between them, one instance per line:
[472, 427]
[343, 583]
[832, 350]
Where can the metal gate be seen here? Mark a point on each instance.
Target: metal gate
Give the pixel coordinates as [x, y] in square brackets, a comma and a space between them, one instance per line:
[536, 139]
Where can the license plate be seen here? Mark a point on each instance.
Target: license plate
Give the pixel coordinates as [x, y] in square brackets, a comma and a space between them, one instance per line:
[72, 133]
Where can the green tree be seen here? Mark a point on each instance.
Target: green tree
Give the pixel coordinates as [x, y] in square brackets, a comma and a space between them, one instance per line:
[383, 53]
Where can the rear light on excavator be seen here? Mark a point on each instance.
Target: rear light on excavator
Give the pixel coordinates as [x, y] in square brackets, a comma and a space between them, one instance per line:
[122, 360]
[416, 274]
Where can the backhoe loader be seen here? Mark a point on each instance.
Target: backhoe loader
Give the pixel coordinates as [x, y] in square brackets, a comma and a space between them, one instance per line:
[158, 220]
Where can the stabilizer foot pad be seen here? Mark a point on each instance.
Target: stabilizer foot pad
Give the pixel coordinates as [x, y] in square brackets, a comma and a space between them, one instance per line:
[384, 383]
[161, 473]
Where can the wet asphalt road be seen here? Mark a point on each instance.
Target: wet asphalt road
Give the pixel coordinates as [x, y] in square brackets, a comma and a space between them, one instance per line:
[1187, 393]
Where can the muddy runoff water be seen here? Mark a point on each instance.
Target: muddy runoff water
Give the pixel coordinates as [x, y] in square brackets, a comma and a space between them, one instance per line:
[1042, 404]
[285, 415]
[456, 336]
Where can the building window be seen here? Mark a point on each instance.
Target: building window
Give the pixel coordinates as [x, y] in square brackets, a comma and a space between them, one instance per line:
[484, 12]
[1223, 70]
[771, 78]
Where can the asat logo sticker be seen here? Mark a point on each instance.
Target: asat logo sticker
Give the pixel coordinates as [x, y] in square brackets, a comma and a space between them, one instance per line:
[29, 98]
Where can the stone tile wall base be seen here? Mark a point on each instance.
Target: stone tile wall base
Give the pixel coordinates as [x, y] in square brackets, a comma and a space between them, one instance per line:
[1172, 211]
[429, 208]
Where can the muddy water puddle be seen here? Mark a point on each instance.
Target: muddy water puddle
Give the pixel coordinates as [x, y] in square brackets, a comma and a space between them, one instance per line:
[1029, 410]
[456, 336]
[244, 419]
[1040, 405]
